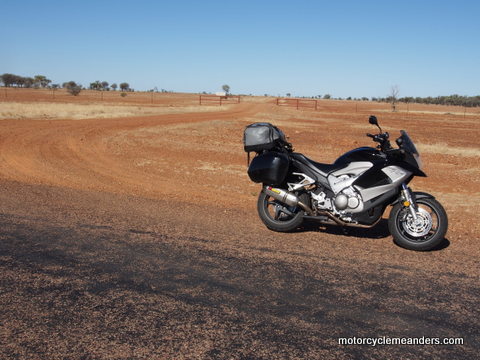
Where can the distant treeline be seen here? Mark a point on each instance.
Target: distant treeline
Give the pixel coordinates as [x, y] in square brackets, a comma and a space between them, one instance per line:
[41, 81]
[457, 100]
[25, 81]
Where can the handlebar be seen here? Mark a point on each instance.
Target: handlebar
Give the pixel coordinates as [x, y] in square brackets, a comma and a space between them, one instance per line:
[382, 139]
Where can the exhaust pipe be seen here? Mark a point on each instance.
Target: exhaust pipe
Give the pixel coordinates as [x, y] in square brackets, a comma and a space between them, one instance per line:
[287, 198]
[291, 199]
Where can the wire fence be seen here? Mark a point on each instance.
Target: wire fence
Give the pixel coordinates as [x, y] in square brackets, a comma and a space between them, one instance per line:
[298, 103]
[407, 110]
[96, 96]
[360, 107]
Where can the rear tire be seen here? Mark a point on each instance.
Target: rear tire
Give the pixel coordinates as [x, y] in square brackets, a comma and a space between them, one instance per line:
[278, 216]
[424, 234]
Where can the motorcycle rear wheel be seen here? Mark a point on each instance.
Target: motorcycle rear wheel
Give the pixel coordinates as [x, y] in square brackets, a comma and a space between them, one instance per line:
[278, 216]
[425, 233]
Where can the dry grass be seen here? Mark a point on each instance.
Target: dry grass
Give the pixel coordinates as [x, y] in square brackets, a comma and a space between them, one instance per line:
[47, 111]
[449, 150]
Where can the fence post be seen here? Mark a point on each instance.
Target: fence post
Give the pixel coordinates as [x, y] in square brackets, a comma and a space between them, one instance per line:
[297, 103]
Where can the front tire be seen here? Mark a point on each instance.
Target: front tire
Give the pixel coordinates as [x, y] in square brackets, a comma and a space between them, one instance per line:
[425, 233]
[278, 216]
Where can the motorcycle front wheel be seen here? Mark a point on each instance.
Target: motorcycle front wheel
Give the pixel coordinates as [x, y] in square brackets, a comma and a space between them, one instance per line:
[278, 216]
[425, 232]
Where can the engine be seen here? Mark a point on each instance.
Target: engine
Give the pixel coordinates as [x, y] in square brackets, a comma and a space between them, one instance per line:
[348, 199]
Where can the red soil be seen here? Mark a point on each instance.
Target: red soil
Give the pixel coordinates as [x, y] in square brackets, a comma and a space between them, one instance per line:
[138, 238]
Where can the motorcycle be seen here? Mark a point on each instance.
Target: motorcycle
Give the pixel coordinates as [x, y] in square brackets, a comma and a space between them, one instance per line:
[353, 191]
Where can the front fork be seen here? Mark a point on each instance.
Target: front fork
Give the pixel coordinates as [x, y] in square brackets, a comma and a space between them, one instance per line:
[408, 200]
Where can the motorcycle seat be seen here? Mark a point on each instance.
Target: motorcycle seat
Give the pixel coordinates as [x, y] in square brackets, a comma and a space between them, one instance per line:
[323, 169]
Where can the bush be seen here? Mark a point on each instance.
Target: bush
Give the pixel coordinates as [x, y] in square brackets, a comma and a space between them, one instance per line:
[73, 88]
[123, 94]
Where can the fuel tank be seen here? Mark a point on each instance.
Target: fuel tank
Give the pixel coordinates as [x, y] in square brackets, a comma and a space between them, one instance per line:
[365, 153]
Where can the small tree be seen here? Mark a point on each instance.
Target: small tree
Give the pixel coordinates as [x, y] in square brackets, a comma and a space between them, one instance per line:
[114, 86]
[28, 82]
[96, 85]
[327, 96]
[72, 87]
[226, 88]
[288, 94]
[124, 86]
[394, 96]
[105, 85]
[8, 79]
[41, 80]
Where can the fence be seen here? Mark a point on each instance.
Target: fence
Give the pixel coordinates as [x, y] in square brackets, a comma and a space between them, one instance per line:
[298, 103]
[95, 96]
[218, 100]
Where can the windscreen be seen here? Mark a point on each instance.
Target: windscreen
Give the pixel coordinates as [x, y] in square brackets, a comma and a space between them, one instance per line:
[407, 143]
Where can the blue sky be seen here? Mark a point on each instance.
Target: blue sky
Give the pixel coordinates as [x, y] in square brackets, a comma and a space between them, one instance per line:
[344, 48]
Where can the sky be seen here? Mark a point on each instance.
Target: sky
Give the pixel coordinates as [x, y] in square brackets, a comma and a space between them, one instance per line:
[305, 48]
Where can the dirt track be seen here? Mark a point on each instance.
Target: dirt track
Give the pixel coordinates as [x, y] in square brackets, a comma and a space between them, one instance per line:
[138, 238]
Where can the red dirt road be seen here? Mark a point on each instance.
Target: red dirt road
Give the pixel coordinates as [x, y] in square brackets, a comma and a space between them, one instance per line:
[137, 238]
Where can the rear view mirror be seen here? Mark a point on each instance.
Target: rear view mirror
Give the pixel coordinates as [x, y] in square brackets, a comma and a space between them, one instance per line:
[373, 120]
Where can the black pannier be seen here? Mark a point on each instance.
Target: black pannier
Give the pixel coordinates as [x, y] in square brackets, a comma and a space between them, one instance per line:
[269, 168]
[262, 136]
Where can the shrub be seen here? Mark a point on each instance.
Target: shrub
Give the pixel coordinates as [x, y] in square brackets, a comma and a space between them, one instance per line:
[73, 88]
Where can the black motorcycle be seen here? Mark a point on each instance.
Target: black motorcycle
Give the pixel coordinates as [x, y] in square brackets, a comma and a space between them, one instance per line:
[353, 191]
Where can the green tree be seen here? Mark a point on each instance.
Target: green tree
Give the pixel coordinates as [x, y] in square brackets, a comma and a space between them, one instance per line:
[9, 79]
[226, 88]
[327, 96]
[124, 86]
[114, 86]
[41, 80]
[72, 87]
[96, 85]
[29, 82]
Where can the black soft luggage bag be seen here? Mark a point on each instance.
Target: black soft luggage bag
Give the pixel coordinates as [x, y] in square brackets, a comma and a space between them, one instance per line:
[262, 136]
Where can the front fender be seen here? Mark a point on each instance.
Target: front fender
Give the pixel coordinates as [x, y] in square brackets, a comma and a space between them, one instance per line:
[422, 195]
[417, 195]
